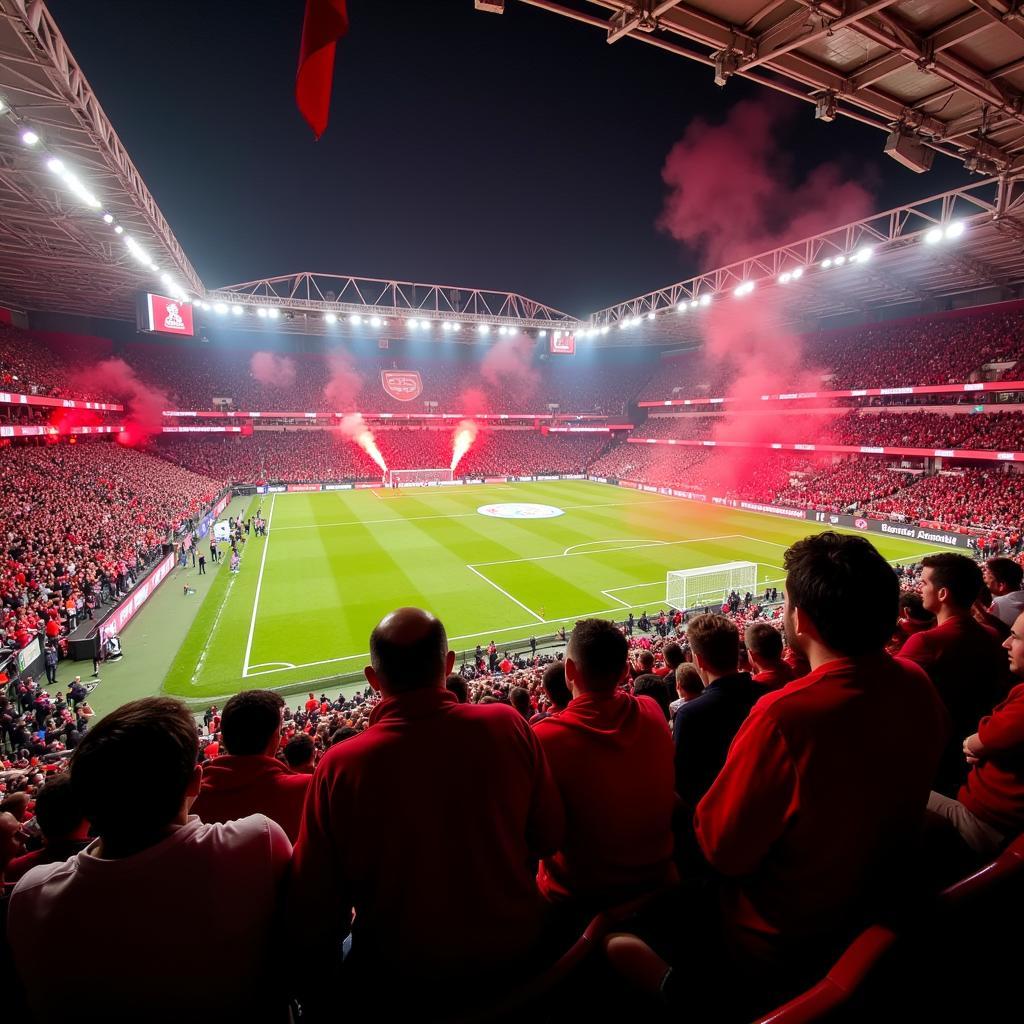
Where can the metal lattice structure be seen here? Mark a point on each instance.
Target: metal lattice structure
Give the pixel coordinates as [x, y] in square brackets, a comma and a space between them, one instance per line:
[988, 258]
[307, 297]
[56, 254]
[946, 74]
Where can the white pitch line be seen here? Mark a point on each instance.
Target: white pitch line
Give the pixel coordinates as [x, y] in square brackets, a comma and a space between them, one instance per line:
[501, 590]
[259, 585]
[626, 547]
[616, 540]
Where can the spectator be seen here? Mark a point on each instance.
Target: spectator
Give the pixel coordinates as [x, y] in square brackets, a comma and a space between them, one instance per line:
[764, 648]
[989, 809]
[300, 754]
[519, 698]
[555, 689]
[703, 729]
[611, 757]
[135, 890]
[689, 685]
[425, 825]
[963, 658]
[913, 618]
[62, 825]
[457, 685]
[1003, 577]
[654, 686]
[249, 779]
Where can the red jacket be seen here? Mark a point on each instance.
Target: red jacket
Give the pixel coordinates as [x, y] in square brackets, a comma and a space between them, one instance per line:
[235, 787]
[427, 825]
[824, 782]
[611, 756]
[994, 790]
[776, 677]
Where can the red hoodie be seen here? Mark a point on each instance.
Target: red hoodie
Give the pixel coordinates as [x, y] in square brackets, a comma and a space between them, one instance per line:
[611, 756]
[235, 787]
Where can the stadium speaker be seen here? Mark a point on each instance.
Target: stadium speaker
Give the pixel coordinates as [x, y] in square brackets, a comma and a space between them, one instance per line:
[910, 151]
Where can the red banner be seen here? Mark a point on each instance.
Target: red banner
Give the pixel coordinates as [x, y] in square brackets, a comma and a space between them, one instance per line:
[403, 385]
[8, 398]
[563, 344]
[114, 428]
[165, 315]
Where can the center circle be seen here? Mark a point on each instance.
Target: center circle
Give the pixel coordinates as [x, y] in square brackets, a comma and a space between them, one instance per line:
[520, 510]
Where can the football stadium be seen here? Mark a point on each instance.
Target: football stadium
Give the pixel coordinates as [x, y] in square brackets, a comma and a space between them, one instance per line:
[596, 646]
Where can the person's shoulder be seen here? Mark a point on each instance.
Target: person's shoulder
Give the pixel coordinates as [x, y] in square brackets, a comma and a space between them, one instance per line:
[41, 877]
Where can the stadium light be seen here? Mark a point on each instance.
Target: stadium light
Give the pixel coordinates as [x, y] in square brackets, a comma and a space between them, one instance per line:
[650, 316]
[236, 310]
[29, 137]
[955, 230]
[72, 182]
[785, 277]
[3, 106]
[623, 324]
[446, 326]
[826, 263]
[504, 330]
[205, 305]
[220, 307]
[261, 313]
[635, 322]
[137, 251]
[705, 300]
[412, 323]
[108, 218]
[425, 325]
[542, 334]
[694, 303]
[863, 255]
[605, 329]
[118, 229]
[483, 329]
[330, 318]
[681, 307]
[839, 261]
[375, 321]
[456, 327]
[355, 318]
[798, 273]
[273, 312]
[743, 289]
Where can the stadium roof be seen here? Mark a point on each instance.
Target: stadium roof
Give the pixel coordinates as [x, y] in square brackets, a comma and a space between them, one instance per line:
[943, 74]
[56, 250]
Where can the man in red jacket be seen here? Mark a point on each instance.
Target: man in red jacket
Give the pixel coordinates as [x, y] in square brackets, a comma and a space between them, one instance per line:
[989, 809]
[611, 756]
[426, 826]
[764, 647]
[962, 657]
[249, 779]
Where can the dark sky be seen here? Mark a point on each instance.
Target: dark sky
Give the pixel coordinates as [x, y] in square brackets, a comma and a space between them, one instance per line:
[517, 152]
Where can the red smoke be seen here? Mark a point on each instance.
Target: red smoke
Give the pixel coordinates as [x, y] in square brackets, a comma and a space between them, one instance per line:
[507, 365]
[354, 427]
[733, 192]
[344, 385]
[472, 401]
[144, 405]
[272, 370]
[462, 440]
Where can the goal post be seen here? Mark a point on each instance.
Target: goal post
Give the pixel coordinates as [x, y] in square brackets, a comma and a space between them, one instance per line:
[418, 477]
[709, 585]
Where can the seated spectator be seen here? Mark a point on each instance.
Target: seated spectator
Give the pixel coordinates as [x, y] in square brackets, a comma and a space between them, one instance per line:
[673, 656]
[655, 687]
[641, 665]
[963, 658]
[989, 809]
[611, 757]
[425, 826]
[703, 729]
[62, 825]
[519, 698]
[764, 648]
[689, 685]
[805, 862]
[913, 618]
[134, 893]
[457, 685]
[249, 779]
[555, 689]
[1004, 577]
[299, 754]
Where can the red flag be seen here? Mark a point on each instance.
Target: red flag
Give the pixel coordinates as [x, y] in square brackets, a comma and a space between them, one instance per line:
[325, 23]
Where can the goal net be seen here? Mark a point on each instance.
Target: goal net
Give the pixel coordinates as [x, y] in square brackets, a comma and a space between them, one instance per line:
[708, 586]
[417, 477]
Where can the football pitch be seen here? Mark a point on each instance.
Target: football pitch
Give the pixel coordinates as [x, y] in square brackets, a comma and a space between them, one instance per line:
[300, 611]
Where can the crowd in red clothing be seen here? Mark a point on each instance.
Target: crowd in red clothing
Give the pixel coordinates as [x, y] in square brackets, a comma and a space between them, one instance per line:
[78, 523]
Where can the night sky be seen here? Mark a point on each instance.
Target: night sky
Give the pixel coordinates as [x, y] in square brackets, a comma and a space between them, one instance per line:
[517, 152]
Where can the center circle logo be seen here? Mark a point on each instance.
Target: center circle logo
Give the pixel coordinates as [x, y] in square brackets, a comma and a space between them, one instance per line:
[520, 510]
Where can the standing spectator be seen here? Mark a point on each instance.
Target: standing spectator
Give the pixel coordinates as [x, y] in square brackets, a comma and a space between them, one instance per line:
[155, 864]
[1004, 577]
[62, 824]
[764, 648]
[963, 658]
[689, 685]
[249, 779]
[703, 729]
[300, 753]
[555, 689]
[426, 826]
[52, 657]
[457, 685]
[611, 757]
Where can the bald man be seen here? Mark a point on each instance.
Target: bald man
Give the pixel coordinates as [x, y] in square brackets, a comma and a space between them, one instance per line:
[425, 826]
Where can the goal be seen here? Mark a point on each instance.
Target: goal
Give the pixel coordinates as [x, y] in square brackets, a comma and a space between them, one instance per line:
[418, 477]
[687, 589]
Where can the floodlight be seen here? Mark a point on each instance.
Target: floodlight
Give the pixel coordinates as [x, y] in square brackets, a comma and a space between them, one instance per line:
[29, 137]
[273, 313]
[650, 316]
[331, 318]
[236, 310]
[826, 263]
[705, 300]
[355, 318]
[955, 230]
[375, 321]
[220, 307]
[261, 313]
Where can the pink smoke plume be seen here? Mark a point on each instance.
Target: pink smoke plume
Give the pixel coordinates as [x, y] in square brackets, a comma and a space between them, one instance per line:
[472, 401]
[342, 389]
[272, 370]
[733, 192]
[507, 365]
[144, 405]
[462, 440]
[354, 427]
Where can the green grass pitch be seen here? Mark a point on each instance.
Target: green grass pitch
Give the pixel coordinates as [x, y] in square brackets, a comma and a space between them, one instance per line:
[300, 611]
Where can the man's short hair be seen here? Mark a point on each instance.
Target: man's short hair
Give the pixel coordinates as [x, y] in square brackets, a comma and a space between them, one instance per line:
[555, 686]
[715, 640]
[764, 641]
[58, 811]
[649, 685]
[414, 664]
[519, 698]
[132, 769]
[912, 605]
[457, 685]
[958, 574]
[846, 587]
[646, 659]
[673, 655]
[299, 750]
[346, 732]
[688, 679]
[1006, 571]
[599, 651]
[249, 721]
